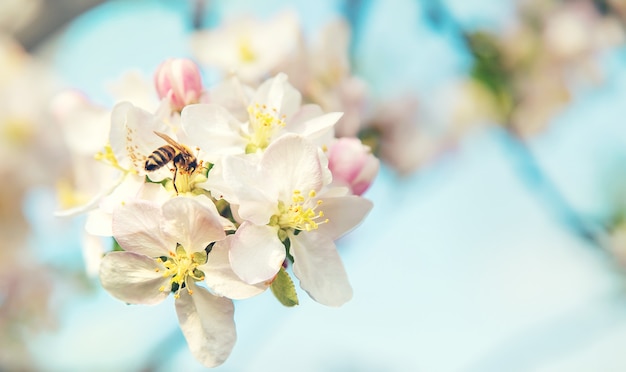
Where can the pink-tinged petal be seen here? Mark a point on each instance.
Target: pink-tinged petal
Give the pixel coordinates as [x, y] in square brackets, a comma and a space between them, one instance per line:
[364, 180]
[133, 278]
[213, 129]
[292, 163]
[179, 80]
[343, 214]
[137, 228]
[191, 224]
[256, 253]
[352, 164]
[220, 277]
[208, 325]
[319, 268]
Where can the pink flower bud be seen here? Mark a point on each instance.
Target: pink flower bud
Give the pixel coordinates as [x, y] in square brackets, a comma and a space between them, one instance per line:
[178, 80]
[352, 164]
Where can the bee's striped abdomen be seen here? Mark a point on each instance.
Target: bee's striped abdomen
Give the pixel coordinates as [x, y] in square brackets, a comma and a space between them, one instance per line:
[160, 157]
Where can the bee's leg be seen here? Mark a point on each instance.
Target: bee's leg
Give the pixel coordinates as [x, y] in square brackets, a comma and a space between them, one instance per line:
[174, 179]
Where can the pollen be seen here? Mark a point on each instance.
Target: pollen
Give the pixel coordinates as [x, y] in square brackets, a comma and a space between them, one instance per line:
[302, 214]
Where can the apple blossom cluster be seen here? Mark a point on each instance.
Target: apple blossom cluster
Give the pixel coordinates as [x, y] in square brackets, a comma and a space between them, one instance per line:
[221, 194]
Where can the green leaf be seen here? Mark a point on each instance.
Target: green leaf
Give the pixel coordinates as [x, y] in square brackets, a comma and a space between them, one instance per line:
[283, 289]
[116, 246]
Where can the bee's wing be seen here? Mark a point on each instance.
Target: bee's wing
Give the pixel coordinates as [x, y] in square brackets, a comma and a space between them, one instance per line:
[171, 142]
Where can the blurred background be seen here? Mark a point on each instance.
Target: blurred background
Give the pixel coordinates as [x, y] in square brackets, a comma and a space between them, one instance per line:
[497, 240]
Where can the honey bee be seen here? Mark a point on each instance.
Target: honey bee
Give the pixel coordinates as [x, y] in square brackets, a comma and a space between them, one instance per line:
[180, 155]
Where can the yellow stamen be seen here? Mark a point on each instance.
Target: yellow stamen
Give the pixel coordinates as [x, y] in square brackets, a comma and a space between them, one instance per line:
[263, 122]
[181, 267]
[300, 215]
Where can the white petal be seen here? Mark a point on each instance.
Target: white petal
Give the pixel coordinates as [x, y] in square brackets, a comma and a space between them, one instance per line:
[132, 135]
[317, 127]
[213, 129]
[94, 201]
[343, 213]
[137, 228]
[233, 96]
[208, 325]
[319, 268]
[220, 277]
[154, 192]
[277, 93]
[133, 278]
[292, 163]
[304, 114]
[85, 125]
[327, 174]
[99, 223]
[134, 86]
[256, 196]
[127, 190]
[217, 184]
[188, 222]
[335, 192]
[256, 253]
[227, 224]
[93, 249]
[217, 47]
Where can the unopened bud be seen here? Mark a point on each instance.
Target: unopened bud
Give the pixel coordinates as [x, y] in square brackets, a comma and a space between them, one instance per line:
[178, 80]
[352, 164]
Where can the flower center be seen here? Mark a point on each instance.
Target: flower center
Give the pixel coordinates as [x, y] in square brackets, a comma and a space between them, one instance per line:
[263, 122]
[181, 266]
[301, 214]
[186, 181]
